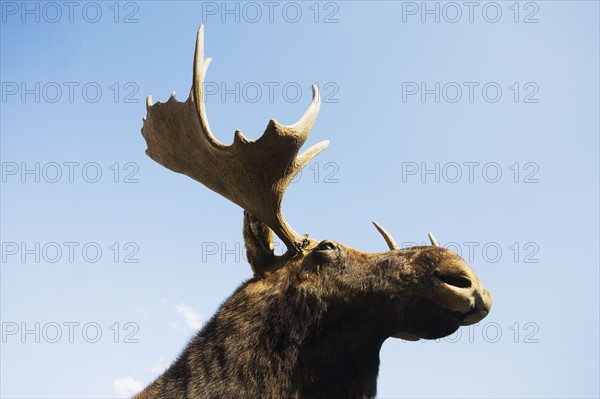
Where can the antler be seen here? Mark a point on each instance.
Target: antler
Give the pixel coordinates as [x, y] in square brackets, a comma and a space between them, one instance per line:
[389, 240]
[251, 173]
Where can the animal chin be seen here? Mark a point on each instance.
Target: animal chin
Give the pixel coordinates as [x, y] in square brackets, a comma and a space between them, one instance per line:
[474, 316]
[424, 319]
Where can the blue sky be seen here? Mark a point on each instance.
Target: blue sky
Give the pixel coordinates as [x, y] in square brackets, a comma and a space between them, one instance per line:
[481, 126]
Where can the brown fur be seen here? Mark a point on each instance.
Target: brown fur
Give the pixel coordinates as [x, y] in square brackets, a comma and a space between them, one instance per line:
[314, 327]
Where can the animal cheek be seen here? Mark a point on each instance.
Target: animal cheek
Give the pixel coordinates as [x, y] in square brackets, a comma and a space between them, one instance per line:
[308, 279]
[311, 264]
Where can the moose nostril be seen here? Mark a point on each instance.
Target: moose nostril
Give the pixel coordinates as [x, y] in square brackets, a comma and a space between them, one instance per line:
[456, 281]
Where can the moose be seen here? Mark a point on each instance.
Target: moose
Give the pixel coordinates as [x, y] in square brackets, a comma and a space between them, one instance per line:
[310, 322]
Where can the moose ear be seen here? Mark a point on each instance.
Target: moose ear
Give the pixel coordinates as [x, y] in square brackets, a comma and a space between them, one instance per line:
[258, 238]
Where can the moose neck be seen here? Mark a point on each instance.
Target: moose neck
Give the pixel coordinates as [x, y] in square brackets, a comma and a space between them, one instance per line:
[341, 358]
[289, 344]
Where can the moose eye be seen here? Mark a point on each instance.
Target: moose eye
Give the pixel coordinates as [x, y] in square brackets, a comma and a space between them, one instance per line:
[326, 246]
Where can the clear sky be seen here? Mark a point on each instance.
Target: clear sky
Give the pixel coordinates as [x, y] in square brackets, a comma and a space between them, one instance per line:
[476, 121]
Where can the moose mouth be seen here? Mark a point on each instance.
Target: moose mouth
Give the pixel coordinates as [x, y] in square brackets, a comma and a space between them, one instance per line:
[424, 319]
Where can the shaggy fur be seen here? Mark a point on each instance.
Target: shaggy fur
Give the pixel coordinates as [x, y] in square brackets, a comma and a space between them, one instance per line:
[314, 328]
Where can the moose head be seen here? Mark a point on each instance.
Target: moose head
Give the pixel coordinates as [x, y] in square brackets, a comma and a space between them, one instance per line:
[311, 322]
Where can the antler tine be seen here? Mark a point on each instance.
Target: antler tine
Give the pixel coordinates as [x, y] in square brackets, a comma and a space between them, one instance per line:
[251, 173]
[200, 67]
[433, 241]
[386, 236]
